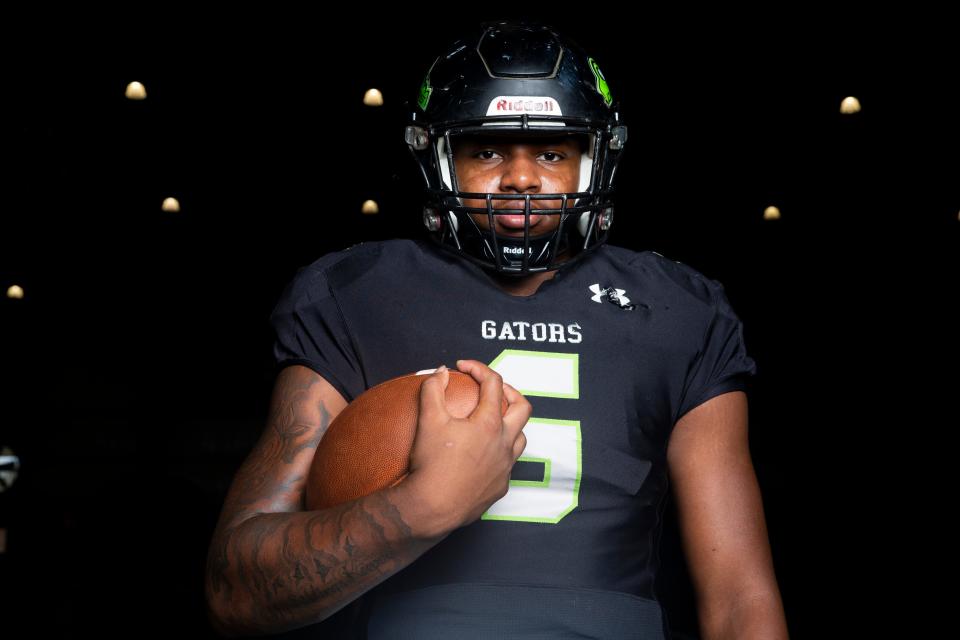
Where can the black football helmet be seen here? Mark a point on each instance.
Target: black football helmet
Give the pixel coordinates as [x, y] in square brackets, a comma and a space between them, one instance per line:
[516, 79]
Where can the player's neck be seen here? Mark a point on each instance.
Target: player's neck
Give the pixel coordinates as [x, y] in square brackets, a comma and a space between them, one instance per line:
[525, 286]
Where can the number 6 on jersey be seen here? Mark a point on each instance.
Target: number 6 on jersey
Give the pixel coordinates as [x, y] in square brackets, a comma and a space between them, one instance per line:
[554, 443]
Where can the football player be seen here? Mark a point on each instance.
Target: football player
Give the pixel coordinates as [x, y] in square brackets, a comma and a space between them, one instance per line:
[625, 373]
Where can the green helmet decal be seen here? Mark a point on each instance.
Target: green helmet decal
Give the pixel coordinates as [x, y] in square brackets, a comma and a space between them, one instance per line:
[425, 91]
[601, 81]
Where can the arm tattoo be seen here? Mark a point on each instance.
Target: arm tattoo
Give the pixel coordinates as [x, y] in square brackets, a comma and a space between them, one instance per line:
[300, 567]
[296, 423]
[292, 566]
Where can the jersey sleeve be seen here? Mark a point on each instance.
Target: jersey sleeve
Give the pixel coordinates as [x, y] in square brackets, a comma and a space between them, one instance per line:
[309, 329]
[722, 363]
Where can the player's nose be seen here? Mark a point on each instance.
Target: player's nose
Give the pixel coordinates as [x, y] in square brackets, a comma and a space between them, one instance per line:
[520, 173]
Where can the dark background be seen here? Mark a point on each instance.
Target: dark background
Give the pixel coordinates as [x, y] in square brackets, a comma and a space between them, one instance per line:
[137, 370]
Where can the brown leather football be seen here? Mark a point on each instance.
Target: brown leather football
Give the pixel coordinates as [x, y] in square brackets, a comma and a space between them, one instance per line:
[367, 446]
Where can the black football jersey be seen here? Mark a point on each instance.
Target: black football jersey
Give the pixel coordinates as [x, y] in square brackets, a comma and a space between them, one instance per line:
[611, 352]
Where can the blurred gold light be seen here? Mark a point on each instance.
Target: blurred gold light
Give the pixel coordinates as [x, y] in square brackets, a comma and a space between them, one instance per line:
[370, 207]
[373, 98]
[171, 205]
[15, 292]
[136, 91]
[849, 105]
[771, 213]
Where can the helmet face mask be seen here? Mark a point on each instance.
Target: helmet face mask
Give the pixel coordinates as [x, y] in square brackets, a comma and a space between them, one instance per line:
[526, 83]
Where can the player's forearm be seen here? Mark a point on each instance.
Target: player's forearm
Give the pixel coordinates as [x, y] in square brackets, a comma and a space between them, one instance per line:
[280, 571]
[760, 616]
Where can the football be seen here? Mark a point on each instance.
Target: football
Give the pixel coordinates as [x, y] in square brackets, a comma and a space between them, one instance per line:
[367, 446]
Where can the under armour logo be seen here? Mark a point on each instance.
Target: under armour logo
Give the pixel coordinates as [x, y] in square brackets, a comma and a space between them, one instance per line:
[612, 294]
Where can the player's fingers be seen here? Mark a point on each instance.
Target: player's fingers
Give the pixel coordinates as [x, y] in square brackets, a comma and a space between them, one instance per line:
[518, 410]
[491, 389]
[512, 395]
[519, 445]
[432, 394]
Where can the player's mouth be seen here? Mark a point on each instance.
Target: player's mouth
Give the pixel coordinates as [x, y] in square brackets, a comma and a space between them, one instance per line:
[517, 221]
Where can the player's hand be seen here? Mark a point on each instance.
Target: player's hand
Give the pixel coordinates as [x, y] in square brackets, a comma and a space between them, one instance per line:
[462, 466]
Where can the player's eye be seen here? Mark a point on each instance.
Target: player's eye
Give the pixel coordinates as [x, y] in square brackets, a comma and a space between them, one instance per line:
[553, 156]
[485, 154]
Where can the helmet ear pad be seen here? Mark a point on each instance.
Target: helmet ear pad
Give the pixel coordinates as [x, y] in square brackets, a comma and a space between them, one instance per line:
[583, 223]
[588, 149]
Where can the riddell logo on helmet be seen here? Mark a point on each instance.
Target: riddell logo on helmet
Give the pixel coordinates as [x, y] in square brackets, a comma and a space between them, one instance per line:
[506, 105]
[517, 251]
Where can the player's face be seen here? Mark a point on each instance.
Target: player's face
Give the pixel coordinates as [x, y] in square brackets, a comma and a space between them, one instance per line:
[490, 164]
